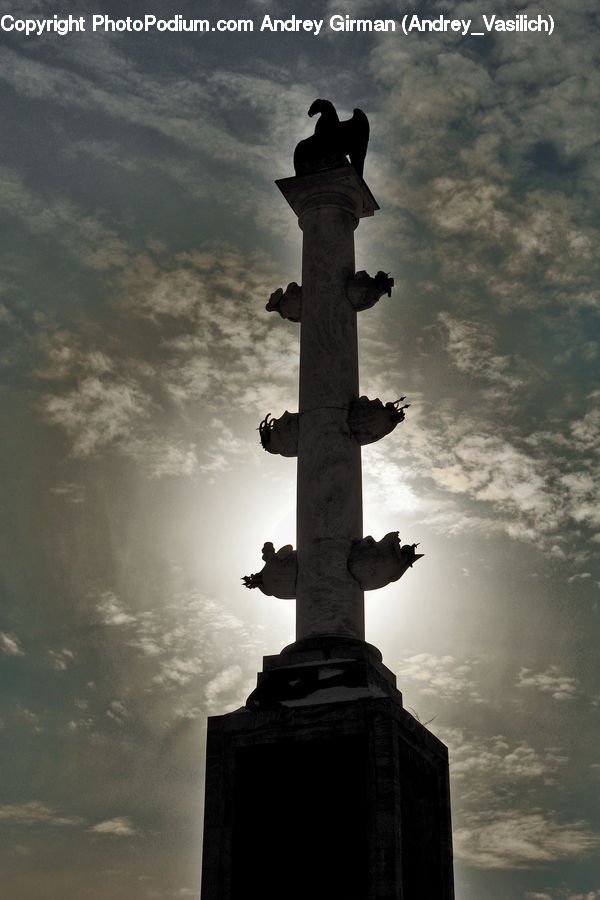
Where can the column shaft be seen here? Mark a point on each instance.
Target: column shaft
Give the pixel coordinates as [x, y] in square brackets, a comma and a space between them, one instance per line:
[329, 205]
[329, 502]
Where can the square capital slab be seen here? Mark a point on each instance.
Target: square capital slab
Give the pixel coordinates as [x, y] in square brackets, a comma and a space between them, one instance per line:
[303, 192]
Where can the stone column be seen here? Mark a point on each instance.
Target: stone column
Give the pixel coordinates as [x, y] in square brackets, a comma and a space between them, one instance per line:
[329, 601]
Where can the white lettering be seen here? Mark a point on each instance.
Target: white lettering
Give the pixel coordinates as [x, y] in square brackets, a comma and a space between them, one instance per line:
[42, 26]
[292, 24]
[345, 23]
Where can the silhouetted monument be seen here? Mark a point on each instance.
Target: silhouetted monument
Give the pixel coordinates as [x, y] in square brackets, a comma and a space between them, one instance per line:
[322, 785]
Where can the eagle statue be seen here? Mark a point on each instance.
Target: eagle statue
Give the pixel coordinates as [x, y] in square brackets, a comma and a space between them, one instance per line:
[333, 141]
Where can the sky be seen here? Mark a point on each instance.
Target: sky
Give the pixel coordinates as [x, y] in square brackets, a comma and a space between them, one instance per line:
[142, 235]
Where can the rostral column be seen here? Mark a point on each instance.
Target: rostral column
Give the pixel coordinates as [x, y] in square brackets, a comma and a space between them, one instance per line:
[322, 785]
[333, 564]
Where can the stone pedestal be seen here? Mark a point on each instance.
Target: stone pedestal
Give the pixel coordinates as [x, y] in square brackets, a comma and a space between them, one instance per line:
[326, 788]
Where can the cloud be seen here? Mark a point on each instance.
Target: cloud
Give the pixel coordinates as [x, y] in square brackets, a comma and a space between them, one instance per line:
[587, 430]
[111, 611]
[560, 687]
[562, 894]
[178, 670]
[213, 348]
[499, 780]
[121, 826]
[465, 464]
[223, 345]
[34, 812]
[189, 647]
[9, 645]
[162, 458]
[222, 684]
[589, 895]
[491, 220]
[517, 840]
[75, 493]
[502, 473]
[483, 764]
[501, 201]
[580, 576]
[117, 711]
[498, 825]
[61, 659]
[30, 717]
[87, 241]
[443, 677]
[98, 412]
[111, 84]
[471, 348]
[461, 473]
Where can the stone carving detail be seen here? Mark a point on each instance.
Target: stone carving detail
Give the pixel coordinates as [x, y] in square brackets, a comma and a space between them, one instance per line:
[332, 141]
[280, 435]
[363, 291]
[278, 576]
[287, 303]
[377, 563]
[370, 420]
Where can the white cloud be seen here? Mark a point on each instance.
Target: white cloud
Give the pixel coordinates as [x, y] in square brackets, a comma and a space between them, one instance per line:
[9, 645]
[121, 826]
[471, 347]
[61, 659]
[589, 895]
[518, 840]
[191, 643]
[443, 677]
[484, 763]
[482, 472]
[494, 777]
[587, 429]
[220, 349]
[442, 464]
[179, 670]
[222, 684]
[496, 224]
[30, 717]
[162, 458]
[498, 825]
[111, 610]
[563, 894]
[552, 681]
[98, 412]
[34, 812]
[117, 711]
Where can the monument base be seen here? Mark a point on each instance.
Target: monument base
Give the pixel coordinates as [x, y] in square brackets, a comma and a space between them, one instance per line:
[323, 786]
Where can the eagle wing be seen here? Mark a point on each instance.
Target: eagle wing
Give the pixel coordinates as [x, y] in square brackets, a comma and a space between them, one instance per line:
[356, 138]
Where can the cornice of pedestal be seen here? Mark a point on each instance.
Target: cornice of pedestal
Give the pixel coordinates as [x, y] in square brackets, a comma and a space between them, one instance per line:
[342, 187]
